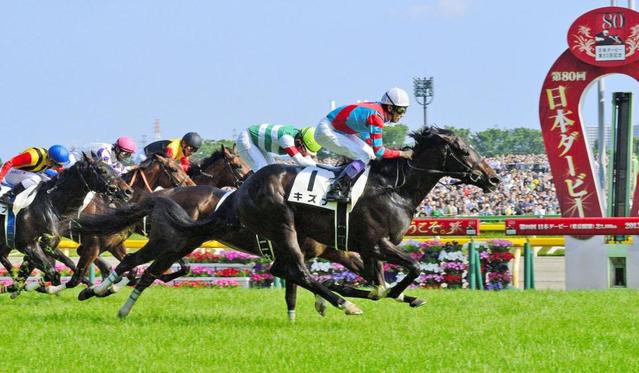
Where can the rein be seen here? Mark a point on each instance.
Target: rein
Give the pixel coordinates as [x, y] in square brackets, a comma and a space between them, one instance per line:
[147, 185]
[472, 176]
[238, 179]
[236, 174]
[134, 178]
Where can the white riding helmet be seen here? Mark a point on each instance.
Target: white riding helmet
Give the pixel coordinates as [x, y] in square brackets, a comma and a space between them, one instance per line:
[396, 97]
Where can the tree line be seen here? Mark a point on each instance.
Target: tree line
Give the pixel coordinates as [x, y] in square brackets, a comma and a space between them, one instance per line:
[489, 142]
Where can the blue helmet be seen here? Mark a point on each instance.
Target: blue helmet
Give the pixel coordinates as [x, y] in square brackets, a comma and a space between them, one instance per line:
[58, 154]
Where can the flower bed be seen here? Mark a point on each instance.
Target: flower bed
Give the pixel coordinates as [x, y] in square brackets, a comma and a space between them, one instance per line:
[443, 265]
[495, 256]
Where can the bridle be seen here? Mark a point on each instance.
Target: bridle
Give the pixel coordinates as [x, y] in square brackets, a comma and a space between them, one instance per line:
[140, 171]
[105, 181]
[472, 175]
[238, 179]
[468, 172]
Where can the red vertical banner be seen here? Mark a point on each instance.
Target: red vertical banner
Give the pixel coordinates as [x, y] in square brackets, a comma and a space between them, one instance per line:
[602, 41]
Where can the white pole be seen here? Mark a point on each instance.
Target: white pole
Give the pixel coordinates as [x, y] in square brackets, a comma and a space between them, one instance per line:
[601, 132]
[631, 4]
[332, 105]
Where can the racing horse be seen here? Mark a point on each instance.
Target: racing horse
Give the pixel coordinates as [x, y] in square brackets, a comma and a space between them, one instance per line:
[38, 227]
[379, 220]
[223, 167]
[156, 171]
[394, 190]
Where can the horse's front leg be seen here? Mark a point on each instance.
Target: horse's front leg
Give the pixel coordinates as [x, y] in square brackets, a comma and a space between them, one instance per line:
[183, 271]
[375, 269]
[394, 255]
[289, 264]
[88, 251]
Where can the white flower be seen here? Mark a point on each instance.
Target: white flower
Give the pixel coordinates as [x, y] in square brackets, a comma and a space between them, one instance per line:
[320, 267]
[430, 267]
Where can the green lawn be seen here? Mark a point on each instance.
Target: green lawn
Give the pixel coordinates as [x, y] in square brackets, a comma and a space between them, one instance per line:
[185, 330]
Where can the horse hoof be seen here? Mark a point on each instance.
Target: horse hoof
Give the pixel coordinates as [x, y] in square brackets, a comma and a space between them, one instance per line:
[417, 303]
[291, 316]
[55, 290]
[124, 312]
[352, 309]
[14, 295]
[86, 294]
[320, 306]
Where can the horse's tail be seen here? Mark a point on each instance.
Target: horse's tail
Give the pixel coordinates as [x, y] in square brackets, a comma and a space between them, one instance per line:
[116, 220]
[169, 216]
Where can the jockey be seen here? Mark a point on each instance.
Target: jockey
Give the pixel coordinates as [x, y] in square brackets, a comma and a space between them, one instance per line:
[355, 131]
[177, 149]
[32, 166]
[114, 154]
[256, 144]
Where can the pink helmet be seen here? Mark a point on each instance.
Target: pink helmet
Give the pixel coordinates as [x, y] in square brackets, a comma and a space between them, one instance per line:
[126, 143]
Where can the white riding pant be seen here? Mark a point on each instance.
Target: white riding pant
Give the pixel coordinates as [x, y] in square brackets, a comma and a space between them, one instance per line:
[344, 144]
[251, 153]
[27, 178]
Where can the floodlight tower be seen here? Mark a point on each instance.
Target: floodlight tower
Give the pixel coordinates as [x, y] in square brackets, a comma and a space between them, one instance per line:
[424, 91]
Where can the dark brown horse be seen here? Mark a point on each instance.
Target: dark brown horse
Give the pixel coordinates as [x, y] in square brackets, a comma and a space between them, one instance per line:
[39, 225]
[222, 168]
[394, 190]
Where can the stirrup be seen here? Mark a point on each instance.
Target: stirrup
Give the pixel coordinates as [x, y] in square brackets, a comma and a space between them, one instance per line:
[338, 195]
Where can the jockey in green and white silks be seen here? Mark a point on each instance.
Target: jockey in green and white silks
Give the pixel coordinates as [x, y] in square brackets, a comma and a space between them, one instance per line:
[256, 144]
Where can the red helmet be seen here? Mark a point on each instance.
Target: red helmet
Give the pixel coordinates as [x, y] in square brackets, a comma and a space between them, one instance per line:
[127, 144]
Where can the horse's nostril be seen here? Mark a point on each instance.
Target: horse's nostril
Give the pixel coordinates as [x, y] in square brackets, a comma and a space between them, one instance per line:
[494, 180]
[128, 192]
[113, 189]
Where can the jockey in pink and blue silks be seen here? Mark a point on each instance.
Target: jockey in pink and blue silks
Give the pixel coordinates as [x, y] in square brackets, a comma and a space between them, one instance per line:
[356, 131]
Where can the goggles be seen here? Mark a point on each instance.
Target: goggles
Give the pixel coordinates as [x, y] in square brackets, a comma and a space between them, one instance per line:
[401, 110]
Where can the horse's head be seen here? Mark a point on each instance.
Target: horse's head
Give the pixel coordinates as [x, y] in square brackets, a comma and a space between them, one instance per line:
[222, 168]
[99, 177]
[441, 150]
[233, 160]
[165, 172]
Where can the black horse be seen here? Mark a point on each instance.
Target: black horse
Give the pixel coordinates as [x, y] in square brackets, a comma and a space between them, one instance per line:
[38, 226]
[394, 190]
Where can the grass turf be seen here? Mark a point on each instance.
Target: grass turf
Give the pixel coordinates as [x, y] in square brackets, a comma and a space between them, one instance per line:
[175, 330]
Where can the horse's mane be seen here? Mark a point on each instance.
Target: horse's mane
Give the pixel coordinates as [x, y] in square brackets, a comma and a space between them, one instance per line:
[426, 138]
[426, 135]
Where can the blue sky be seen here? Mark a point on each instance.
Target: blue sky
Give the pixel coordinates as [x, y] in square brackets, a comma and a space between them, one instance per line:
[74, 72]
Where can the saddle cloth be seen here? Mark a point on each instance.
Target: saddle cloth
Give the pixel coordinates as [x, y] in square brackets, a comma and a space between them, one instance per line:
[23, 199]
[310, 187]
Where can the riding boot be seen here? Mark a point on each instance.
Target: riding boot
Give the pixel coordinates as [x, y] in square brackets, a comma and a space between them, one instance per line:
[10, 196]
[340, 189]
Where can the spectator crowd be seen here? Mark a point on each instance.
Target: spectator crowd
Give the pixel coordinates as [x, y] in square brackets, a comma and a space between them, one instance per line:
[526, 188]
